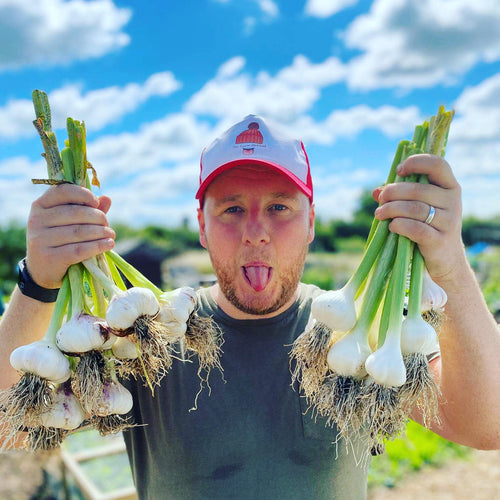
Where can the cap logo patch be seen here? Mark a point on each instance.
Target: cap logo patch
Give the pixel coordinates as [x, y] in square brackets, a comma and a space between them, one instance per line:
[252, 135]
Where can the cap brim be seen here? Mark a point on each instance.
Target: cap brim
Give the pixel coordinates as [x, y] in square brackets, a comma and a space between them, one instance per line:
[242, 162]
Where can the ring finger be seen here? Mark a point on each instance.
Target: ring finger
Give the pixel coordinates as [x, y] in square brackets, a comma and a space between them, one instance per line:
[416, 210]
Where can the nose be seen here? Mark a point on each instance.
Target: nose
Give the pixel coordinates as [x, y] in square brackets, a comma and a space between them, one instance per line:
[255, 230]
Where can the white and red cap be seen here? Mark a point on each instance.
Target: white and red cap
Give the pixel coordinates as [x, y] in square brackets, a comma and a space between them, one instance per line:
[252, 142]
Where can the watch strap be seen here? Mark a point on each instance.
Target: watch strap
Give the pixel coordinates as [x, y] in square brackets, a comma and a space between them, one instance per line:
[31, 289]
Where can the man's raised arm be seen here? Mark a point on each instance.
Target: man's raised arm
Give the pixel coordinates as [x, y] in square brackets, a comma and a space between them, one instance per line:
[66, 225]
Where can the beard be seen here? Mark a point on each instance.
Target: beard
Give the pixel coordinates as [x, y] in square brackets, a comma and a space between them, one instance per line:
[288, 281]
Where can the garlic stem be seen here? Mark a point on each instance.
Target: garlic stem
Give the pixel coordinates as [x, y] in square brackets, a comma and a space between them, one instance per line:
[390, 179]
[115, 273]
[437, 135]
[99, 304]
[108, 284]
[377, 283]
[132, 274]
[77, 299]
[57, 318]
[392, 312]
[416, 284]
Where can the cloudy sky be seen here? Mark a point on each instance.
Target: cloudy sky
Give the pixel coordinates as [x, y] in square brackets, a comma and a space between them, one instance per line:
[156, 81]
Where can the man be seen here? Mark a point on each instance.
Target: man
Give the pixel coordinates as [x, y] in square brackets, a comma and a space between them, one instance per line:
[250, 436]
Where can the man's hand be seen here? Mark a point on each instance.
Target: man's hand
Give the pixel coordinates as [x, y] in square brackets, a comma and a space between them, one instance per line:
[66, 225]
[408, 204]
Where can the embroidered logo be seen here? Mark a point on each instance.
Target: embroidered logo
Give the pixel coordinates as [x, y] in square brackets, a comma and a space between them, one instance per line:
[250, 136]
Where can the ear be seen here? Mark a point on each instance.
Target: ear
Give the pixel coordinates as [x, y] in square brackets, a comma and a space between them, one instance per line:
[311, 223]
[201, 225]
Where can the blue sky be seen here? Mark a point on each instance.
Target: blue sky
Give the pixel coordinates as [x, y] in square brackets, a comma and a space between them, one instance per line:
[155, 82]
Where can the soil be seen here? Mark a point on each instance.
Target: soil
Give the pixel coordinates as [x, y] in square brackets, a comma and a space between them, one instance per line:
[477, 478]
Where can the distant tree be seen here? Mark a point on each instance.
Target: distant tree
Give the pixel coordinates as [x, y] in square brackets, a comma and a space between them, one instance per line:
[363, 215]
[476, 230]
[324, 236]
[12, 250]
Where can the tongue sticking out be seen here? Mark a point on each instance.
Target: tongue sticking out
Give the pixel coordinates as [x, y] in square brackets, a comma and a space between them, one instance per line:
[257, 276]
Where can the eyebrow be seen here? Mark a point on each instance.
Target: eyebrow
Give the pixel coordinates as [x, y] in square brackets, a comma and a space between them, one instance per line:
[279, 195]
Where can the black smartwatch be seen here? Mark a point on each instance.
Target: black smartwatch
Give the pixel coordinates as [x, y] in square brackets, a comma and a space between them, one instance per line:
[31, 289]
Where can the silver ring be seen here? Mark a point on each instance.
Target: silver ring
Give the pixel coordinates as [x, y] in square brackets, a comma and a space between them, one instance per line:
[432, 213]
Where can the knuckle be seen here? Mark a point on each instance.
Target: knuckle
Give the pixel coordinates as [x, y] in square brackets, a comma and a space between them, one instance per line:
[77, 230]
[79, 252]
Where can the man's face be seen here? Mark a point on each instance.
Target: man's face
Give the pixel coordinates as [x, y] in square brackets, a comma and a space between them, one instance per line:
[256, 225]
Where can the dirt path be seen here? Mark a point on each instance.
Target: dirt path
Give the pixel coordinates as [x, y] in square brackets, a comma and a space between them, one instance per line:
[474, 479]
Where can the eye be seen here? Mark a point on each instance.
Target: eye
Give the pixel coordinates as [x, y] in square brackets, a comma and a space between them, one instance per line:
[233, 210]
[278, 207]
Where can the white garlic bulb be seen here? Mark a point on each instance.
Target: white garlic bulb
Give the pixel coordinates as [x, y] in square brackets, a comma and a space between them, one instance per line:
[124, 348]
[83, 333]
[66, 411]
[126, 307]
[433, 296]
[335, 309]
[42, 358]
[114, 400]
[177, 305]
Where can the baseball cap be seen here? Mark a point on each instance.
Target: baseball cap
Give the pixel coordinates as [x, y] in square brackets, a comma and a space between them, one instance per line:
[252, 141]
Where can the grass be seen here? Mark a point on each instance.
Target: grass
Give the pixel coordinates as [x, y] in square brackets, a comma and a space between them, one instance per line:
[107, 473]
[419, 448]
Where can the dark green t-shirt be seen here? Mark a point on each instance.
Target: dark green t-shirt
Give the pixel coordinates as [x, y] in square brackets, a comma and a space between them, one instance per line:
[250, 436]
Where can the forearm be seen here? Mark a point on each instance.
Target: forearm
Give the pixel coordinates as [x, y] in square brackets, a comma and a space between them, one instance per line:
[470, 368]
[25, 321]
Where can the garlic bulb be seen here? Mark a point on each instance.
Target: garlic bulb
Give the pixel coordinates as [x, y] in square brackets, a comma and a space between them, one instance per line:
[348, 355]
[335, 309]
[42, 358]
[123, 348]
[83, 333]
[433, 296]
[114, 400]
[386, 365]
[66, 411]
[418, 336]
[177, 305]
[126, 307]
[175, 330]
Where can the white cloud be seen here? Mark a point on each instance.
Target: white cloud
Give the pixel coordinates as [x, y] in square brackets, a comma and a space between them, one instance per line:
[391, 121]
[409, 44]
[58, 32]
[336, 194]
[159, 196]
[231, 67]
[175, 138]
[478, 112]
[474, 143]
[327, 8]
[268, 7]
[97, 107]
[249, 25]
[289, 96]
[303, 73]
[284, 97]
[18, 193]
